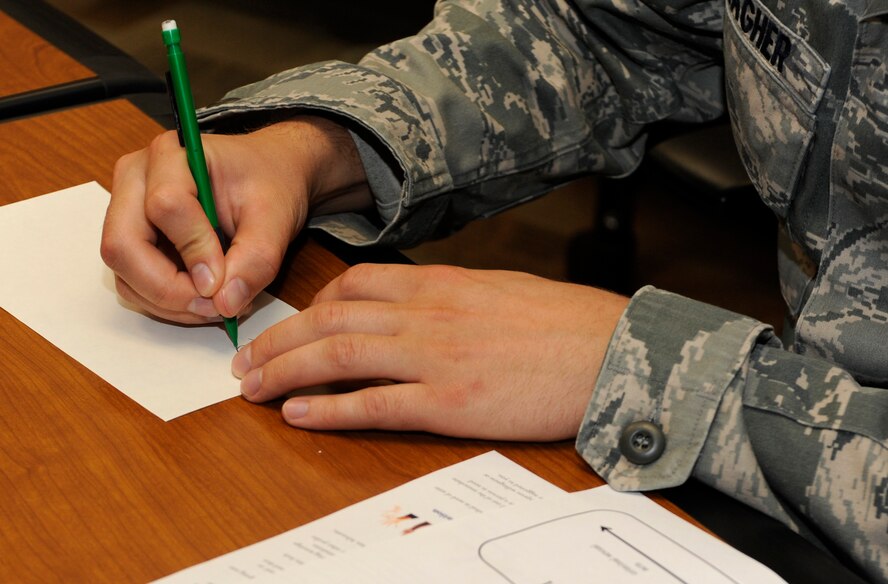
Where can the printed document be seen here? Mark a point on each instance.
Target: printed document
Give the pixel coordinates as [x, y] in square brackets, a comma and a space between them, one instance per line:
[478, 485]
[489, 521]
[599, 535]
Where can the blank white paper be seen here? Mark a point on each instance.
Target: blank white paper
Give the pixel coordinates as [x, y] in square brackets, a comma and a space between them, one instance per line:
[54, 281]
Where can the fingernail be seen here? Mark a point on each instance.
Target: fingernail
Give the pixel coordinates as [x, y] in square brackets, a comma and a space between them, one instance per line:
[235, 294]
[240, 365]
[204, 280]
[295, 409]
[251, 382]
[203, 307]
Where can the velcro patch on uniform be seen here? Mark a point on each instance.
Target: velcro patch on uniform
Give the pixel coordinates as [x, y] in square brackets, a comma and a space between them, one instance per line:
[781, 50]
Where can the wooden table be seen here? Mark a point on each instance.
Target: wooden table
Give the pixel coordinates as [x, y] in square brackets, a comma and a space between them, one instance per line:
[29, 62]
[95, 488]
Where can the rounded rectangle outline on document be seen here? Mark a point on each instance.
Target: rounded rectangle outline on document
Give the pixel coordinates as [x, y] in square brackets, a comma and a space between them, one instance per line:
[619, 537]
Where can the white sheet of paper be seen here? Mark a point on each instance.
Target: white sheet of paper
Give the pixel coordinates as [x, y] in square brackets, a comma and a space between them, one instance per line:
[598, 535]
[54, 281]
[487, 482]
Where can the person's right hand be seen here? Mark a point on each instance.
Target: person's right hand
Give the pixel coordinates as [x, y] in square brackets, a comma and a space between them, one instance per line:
[265, 184]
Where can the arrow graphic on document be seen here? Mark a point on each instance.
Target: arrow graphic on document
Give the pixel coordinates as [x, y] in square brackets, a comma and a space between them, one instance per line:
[610, 532]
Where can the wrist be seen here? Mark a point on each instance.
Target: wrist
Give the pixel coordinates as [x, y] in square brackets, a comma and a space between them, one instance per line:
[322, 155]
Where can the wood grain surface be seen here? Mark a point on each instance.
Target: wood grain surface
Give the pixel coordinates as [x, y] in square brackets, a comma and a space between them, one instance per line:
[29, 62]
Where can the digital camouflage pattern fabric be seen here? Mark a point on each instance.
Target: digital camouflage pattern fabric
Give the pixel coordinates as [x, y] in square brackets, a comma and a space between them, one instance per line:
[496, 102]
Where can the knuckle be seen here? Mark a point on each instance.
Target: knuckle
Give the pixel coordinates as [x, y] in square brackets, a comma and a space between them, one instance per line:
[444, 273]
[438, 277]
[343, 351]
[328, 318]
[378, 406]
[124, 163]
[161, 296]
[112, 250]
[439, 314]
[198, 241]
[262, 346]
[162, 203]
[123, 290]
[162, 140]
[274, 374]
[356, 278]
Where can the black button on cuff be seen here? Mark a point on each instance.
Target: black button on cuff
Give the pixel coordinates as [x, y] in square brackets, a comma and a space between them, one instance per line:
[642, 442]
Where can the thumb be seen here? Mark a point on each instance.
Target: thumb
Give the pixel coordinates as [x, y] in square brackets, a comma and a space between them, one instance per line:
[179, 216]
[255, 255]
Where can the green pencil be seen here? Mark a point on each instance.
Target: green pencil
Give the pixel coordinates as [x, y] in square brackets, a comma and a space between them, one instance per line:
[189, 135]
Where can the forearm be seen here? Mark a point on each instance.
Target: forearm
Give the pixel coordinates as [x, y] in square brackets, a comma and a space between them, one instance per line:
[497, 102]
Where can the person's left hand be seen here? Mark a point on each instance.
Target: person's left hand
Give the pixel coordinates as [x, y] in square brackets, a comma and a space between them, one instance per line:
[483, 354]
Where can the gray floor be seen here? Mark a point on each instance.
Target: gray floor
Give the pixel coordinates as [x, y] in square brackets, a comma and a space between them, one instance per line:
[686, 243]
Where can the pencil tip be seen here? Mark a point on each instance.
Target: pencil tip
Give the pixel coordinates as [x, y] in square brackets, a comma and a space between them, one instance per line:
[231, 329]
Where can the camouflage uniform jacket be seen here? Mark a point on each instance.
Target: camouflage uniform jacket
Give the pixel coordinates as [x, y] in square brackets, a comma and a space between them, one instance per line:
[496, 102]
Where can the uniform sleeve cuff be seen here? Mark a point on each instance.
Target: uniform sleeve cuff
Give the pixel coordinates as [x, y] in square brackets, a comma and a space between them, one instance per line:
[668, 365]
